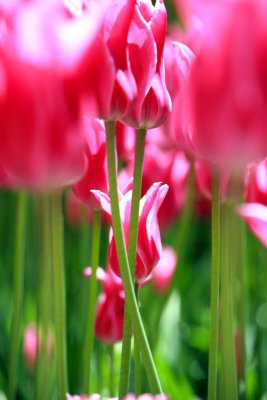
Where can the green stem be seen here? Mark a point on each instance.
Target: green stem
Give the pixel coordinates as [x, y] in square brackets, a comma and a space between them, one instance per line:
[89, 340]
[43, 374]
[228, 367]
[137, 359]
[57, 233]
[111, 371]
[133, 237]
[132, 305]
[18, 289]
[215, 272]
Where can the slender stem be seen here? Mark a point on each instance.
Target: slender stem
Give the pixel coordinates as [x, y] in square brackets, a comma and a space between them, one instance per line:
[133, 237]
[18, 289]
[137, 359]
[215, 272]
[132, 305]
[111, 371]
[228, 367]
[57, 233]
[89, 340]
[43, 374]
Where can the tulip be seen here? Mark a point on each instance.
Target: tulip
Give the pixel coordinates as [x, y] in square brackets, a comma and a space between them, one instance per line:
[178, 59]
[42, 140]
[146, 42]
[256, 190]
[149, 242]
[32, 343]
[227, 93]
[113, 83]
[110, 307]
[96, 171]
[163, 272]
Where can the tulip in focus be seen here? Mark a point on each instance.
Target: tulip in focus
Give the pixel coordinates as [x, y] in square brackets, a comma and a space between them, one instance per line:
[146, 42]
[149, 243]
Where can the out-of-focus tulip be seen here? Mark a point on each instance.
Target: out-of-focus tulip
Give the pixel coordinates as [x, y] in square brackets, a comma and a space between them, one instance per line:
[32, 343]
[163, 272]
[41, 136]
[149, 242]
[227, 94]
[203, 171]
[170, 166]
[255, 215]
[178, 59]
[110, 307]
[146, 42]
[256, 190]
[96, 170]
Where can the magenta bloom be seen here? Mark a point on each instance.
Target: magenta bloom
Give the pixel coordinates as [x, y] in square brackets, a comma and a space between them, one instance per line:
[110, 306]
[96, 159]
[42, 141]
[163, 272]
[112, 81]
[149, 243]
[227, 94]
[256, 191]
[145, 45]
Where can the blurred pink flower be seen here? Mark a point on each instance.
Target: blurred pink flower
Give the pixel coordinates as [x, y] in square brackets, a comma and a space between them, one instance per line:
[149, 242]
[256, 188]
[163, 272]
[32, 343]
[255, 215]
[110, 307]
[227, 94]
[96, 176]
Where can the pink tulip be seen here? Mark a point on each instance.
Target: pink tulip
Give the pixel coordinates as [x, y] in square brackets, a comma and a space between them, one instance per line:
[110, 306]
[163, 272]
[83, 397]
[113, 83]
[149, 242]
[178, 59]
[41, 136]
[32, 343]
[255, 215]
[227, 94]
[146, 42]
[164, 162]
[96, 171]
[203, 171]
[256, 191]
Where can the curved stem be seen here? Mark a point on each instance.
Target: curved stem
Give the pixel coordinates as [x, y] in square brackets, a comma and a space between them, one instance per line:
[137, 358]
[215, 273]
[133, 237]
[57, 231]
[132, 305]
[89, 340]
[18, 289]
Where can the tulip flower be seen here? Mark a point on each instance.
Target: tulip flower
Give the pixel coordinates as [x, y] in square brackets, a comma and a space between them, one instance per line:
[149, 243]
[113, 83]
[110, 307]
[32, 343]
[163, 272]
[256, 190]
[178, 59]
[146, 42]
[96, 171]
[227, 93]
[42, 139]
